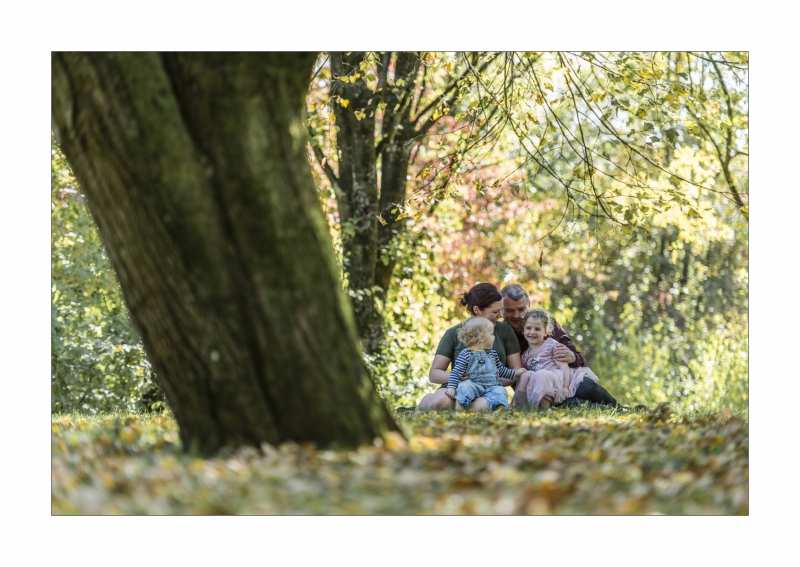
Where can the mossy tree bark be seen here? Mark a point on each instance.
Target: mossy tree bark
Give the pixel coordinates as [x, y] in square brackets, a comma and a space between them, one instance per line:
[360, 199]
[195, 171]
[357, 198]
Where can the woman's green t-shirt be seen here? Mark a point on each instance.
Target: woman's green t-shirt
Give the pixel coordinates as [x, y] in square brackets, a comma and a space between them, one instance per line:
[505, 342]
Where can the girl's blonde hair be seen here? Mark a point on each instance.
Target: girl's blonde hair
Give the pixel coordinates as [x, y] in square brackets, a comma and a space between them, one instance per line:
[473, 329]
[542, 316]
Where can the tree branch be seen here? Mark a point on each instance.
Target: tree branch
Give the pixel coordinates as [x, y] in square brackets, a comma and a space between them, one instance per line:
[723, 62]
[406, 66]
[446, 97]
[323, 163]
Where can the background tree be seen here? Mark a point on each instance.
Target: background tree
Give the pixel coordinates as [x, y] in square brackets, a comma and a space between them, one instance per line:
[195, 170]
[383, 105]
[591, 127]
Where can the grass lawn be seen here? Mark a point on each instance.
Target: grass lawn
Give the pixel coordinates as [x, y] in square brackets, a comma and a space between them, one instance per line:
[575, 461]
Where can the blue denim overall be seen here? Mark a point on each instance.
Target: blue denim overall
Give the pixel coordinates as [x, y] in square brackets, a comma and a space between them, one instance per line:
[483, 382]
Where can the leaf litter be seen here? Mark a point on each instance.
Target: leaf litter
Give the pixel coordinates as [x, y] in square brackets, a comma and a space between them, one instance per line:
[562, 462]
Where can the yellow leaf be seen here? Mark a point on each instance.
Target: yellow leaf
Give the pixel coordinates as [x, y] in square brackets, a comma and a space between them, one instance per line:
[106, 479]
[395, 441]
[420, 442]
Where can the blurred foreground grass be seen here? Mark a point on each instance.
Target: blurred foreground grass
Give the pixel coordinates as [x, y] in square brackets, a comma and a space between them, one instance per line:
[558, 462]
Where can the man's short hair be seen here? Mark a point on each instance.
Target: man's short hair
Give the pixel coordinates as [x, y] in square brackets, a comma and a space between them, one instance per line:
[515, 292]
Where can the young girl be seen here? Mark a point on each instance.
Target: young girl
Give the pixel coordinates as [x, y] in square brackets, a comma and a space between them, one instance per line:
[550, 382]
[480, 362]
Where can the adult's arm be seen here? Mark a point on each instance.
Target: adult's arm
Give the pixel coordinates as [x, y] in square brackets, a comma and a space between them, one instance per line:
[438, 373]
[560, 335]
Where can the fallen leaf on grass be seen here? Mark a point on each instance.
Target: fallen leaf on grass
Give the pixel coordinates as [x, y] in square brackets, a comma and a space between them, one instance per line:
[452, 463]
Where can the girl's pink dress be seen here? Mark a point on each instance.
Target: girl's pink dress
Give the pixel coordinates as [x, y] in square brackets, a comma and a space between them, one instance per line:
[545, 377]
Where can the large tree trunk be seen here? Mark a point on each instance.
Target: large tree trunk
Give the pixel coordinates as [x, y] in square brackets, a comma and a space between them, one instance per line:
[195, 171]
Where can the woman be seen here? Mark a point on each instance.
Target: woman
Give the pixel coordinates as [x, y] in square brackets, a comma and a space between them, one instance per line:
[483, 300]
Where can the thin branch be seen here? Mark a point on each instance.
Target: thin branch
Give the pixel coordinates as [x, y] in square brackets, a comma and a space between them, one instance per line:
[323, 163]
[723, 62]
[542, 164]
[320, 68]
[633, 147]
[586, 157]
[446, 97]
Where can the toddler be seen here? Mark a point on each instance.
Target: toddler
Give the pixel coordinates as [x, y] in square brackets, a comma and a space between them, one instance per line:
[480, 362]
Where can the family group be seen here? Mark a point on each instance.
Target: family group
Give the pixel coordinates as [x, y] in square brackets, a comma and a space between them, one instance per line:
[527, 351]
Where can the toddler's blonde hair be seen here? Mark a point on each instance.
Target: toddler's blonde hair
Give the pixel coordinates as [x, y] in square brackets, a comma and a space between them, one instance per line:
[473, 329]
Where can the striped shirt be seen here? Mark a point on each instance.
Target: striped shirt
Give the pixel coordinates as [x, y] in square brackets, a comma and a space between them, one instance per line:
[462, 363]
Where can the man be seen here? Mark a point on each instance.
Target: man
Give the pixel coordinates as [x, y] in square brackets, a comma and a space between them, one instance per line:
[515, 303]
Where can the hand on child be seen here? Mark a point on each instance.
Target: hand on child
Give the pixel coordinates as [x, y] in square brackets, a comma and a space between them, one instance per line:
[451, 393]
[520, 372]
[563, 354]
